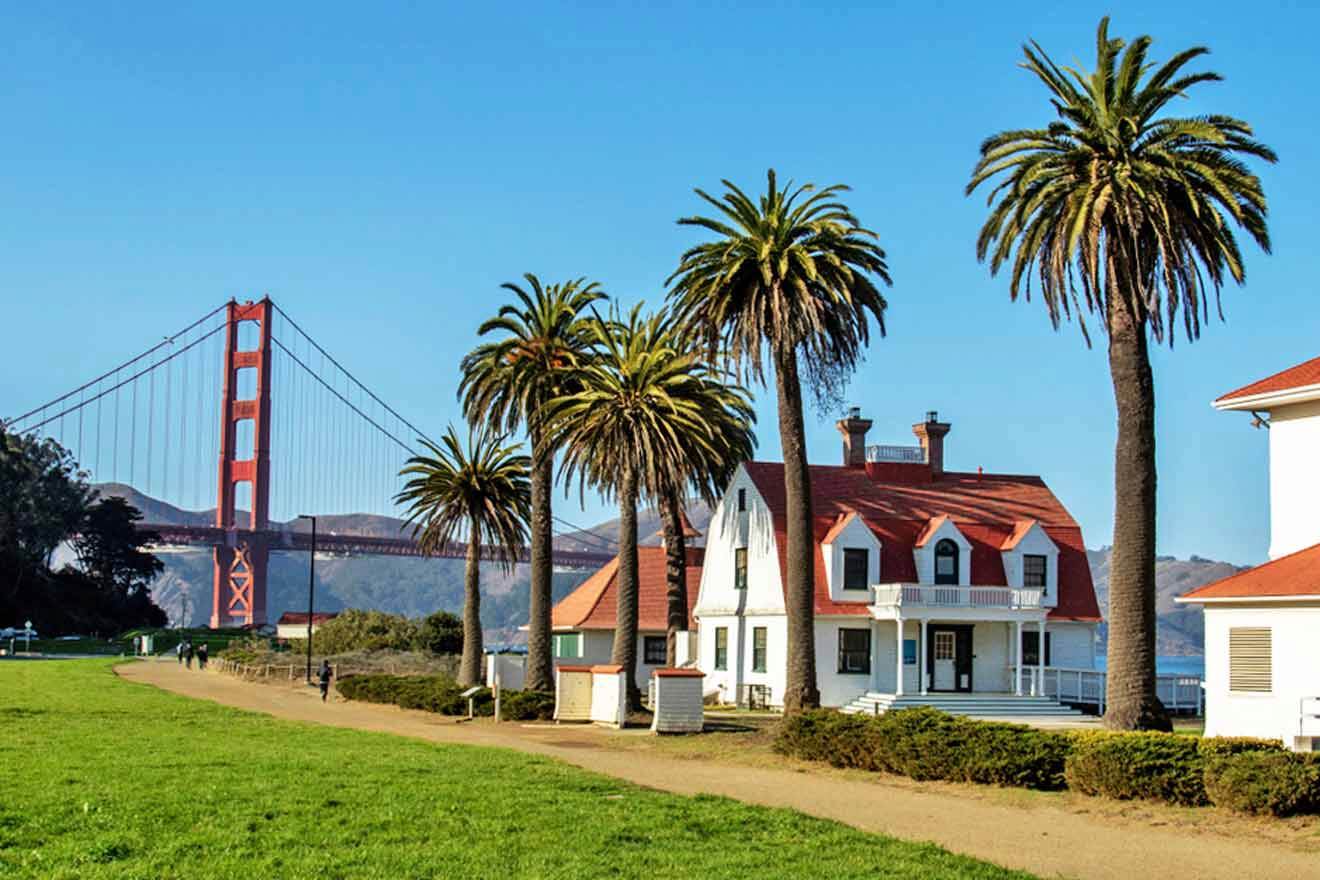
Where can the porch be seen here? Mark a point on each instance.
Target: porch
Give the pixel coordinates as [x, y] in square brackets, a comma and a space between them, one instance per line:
[968, 639]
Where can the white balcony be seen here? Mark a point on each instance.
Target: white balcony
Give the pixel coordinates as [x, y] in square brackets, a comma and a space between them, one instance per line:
[891, 599]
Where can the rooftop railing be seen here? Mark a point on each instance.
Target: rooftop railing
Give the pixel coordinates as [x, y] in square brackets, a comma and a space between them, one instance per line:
[904, 454]
[940, 596]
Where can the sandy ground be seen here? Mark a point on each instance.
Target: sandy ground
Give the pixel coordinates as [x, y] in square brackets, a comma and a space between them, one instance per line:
[1048, 840]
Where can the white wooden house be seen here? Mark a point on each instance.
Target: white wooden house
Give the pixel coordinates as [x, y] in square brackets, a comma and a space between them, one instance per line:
[927, 581]
[1262, 626]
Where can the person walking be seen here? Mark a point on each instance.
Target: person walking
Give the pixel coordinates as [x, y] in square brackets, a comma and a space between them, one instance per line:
[324, 677]
[188, 654]
[178, 649]
[203, 654]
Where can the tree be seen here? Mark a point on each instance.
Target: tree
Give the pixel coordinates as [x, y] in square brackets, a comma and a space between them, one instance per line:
[482, 490]
[109, 549]
[441, 633]
[638, 403]
[43, 496]
[506, 384]
[1124, 211]
[704, 468]
[789, 276]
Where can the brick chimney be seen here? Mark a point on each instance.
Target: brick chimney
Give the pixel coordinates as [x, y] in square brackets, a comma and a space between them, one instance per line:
[853, 428]
[931, 434]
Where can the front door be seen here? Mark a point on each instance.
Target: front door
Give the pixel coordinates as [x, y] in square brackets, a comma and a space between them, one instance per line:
[949, 658]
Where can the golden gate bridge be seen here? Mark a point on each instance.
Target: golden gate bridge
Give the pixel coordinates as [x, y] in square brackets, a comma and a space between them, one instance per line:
[243, 410]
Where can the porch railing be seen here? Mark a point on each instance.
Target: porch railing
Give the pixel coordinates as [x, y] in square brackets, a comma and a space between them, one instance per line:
[1070, 685]
[939, 596]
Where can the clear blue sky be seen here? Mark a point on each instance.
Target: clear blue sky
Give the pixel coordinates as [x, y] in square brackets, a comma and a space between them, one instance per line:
[379, 172]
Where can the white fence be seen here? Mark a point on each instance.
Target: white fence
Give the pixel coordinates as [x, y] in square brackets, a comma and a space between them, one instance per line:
[1177, 692]
[938, 596]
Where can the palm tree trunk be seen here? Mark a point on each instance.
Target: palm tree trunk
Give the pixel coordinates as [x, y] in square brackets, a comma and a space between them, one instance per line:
[469, 670]
[801, 692]
[540, 671]
[675, 574]
[625, 621]
[1132, 703]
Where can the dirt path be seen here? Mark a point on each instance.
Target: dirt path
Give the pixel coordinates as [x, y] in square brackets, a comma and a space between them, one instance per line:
[1045, 840]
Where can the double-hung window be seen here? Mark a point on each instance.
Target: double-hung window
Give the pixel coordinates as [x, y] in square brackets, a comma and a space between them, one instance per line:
[740, 568]
[855, 651]
[758, 648]
[1033, 570]
[855, 566]
[721, 648]
[654, 649]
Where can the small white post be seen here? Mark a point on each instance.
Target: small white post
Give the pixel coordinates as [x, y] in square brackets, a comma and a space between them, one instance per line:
[898, 683]
[921, 656]
[1017, 659]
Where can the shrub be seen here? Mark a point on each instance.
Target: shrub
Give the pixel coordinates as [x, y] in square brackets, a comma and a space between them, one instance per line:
[356, 630]
[924, 743]
[1148, 766]
[442, 695]
[1225, 746]
[1264, 782]
[527, 705]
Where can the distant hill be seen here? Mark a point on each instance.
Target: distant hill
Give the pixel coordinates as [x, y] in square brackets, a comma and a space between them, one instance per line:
[419, 586]
[1180, 628]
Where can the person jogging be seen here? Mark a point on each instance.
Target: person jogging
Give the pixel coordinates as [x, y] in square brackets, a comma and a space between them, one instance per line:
[203, 654]
[324, 677]
[178, 649]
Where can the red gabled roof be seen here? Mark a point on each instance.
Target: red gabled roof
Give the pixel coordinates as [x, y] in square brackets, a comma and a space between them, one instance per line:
[594, 604]
[1297, 574]
[1300, 376]
[898, 505]
[290, 618]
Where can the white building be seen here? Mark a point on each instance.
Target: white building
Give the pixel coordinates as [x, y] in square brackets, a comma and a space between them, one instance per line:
[583, 621]
[1262, 654]
[926, 580]
[293, 624]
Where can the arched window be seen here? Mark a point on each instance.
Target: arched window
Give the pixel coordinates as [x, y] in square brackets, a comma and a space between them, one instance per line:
[946, 562]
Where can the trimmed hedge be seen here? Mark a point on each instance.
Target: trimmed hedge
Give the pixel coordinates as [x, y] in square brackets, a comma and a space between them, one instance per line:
[1272, 782]
[1143, 766]
[924, 743]
[442, 695]
[1251, 775]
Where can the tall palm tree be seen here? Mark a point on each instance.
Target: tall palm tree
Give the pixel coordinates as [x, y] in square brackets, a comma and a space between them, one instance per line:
[792, 275]
[638, 403]
[482, 490]
[507, 383]
[1122, 210]
[704, 470]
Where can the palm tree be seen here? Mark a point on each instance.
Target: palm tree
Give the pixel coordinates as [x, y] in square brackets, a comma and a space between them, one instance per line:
[706, 471]
[507, 383]
[791, 276]
[482, 489]
[638, 403]
[1124, 211]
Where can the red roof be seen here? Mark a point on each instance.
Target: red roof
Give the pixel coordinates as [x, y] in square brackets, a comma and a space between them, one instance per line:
[594, 604]
[899, 504]
[289, 618]
[1297, 574]
[1299, 376]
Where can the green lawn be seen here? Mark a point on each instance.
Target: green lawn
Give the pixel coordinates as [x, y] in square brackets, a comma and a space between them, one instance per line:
[104, 778]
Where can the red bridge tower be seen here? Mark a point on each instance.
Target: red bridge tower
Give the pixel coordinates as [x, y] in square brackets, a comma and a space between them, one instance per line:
[238, 594]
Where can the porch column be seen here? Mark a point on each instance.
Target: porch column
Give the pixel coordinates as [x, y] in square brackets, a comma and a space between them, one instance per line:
[898, 683]
[921, 656]
[1017, 659]
[1040, 659]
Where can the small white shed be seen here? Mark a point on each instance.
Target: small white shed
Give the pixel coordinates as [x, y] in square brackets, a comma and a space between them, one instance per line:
[573, 693]
[676, 701]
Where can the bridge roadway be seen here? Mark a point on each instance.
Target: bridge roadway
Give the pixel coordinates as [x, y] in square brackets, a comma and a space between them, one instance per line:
[280, 539]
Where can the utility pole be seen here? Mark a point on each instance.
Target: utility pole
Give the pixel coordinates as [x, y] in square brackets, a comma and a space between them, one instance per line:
[311, 582]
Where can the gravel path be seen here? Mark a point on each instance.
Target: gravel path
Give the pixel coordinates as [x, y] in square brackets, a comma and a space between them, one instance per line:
[1043, 839]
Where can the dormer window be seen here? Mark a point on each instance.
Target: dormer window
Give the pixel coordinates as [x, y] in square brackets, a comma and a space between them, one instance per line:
[1034, 568]
[946, 562]
[855, 566]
